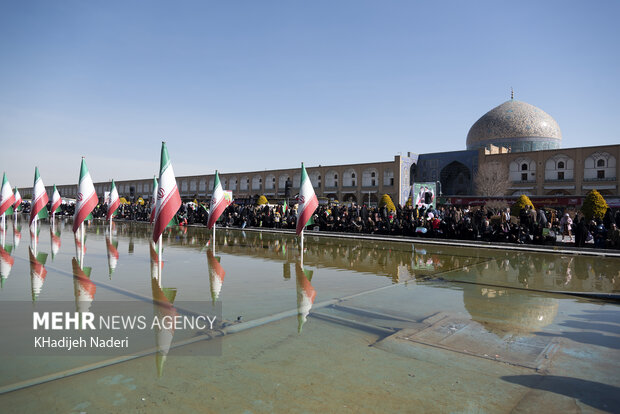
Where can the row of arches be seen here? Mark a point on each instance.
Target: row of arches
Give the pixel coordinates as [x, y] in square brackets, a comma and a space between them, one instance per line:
[561, 167]
[350, 177]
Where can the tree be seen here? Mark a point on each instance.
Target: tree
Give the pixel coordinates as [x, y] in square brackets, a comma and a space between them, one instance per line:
[262, 200]
[386, 201]
[409, 203]
[594, 206]
[521, 203]
[492, 180]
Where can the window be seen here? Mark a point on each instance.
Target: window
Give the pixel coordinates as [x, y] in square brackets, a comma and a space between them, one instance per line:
[524, 167]
[560, 175]
[600, 163]
[560, 165]
[600, 173]
[524, 177]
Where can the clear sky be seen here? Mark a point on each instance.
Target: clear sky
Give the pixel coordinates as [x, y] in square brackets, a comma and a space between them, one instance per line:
[253, 85]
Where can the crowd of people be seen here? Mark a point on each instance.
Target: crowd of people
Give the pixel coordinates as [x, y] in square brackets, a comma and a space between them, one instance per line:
[530, 226]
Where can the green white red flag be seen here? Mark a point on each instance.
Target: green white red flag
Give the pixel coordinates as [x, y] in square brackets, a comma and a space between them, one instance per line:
[86, 199]
[154, 199]
[56, 200]
[307, 201]
[38, 208]
[113, 202]
[17, 205]
[7, 198]
[219, 201]
[168, 197]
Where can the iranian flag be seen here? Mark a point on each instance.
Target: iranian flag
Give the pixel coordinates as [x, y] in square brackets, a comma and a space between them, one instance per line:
[86, 198]
[39, 198]
[56, 200]
[18, 200]
[154, 199]
[7, 199]
[219, 201]
[168, 198]
[114, 201]
[307, 201]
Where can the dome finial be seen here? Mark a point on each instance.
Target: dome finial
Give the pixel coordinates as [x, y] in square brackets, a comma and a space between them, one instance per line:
[512, 93]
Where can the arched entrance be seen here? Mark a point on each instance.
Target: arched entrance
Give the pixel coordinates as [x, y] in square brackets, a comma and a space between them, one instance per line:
[412, 172]
[455, 179]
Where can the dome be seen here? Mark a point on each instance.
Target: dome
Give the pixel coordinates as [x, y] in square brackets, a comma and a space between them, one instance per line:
[515, 124]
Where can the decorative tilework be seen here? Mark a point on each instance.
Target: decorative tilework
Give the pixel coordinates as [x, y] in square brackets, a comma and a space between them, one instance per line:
[517, 124]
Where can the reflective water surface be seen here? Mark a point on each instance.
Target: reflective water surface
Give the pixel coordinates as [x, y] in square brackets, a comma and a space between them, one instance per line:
[357, 326]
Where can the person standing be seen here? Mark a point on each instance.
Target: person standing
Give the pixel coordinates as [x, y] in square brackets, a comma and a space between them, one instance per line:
[565, 226]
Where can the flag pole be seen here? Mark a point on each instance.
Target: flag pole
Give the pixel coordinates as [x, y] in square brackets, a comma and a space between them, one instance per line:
[302, 247]
[3, 229]
[34, 236]
[213, 238]
[159, 260]
[82, 246]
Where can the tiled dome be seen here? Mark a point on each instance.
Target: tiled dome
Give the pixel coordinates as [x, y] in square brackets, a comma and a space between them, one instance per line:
[515, 124]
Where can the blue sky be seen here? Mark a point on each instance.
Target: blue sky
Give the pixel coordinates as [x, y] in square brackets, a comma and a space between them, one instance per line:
[252, 85]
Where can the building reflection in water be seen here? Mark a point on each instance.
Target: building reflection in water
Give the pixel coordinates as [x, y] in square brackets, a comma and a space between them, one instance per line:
[550, 272]
[509, 312]
[163, 299]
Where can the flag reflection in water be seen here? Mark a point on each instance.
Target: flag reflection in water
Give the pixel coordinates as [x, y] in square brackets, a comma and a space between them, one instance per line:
[112, 249]
[216, 275]
[163, 299]
[55, 238]
[37, 271]
[83, 288]
[17, 235]
[305, 294]
[6, 264]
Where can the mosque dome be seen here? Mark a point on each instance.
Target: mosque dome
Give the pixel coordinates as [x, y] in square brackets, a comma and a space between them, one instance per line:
[515, 124]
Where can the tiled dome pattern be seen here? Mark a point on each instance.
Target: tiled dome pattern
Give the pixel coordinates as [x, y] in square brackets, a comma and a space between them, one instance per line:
[513, 123]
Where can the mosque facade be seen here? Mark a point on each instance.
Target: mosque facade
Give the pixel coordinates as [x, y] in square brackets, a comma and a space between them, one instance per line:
[519, 137]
